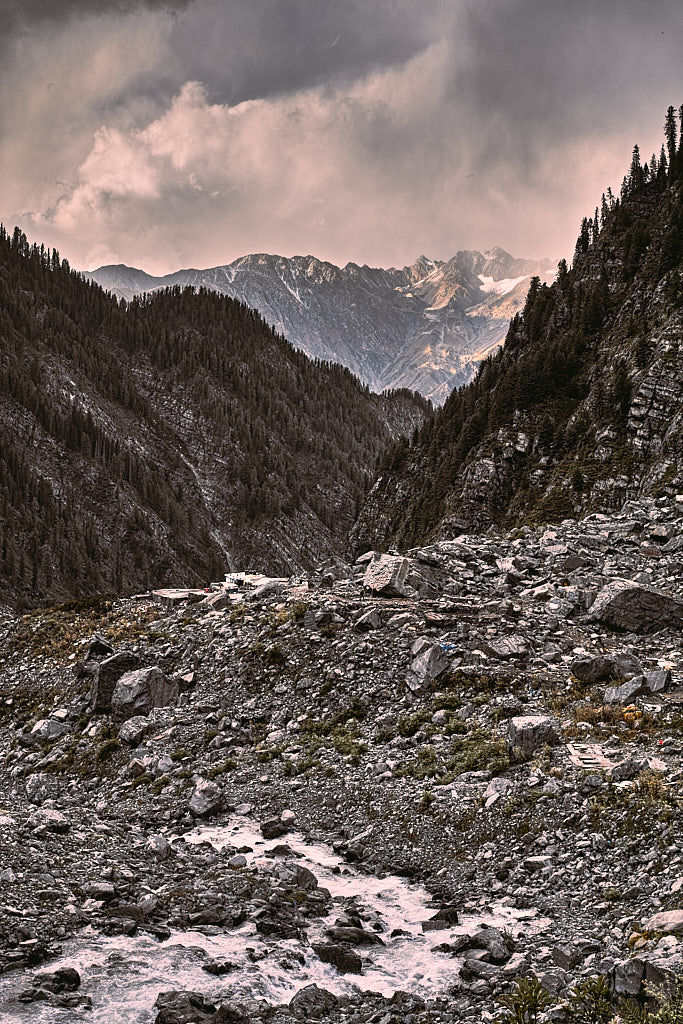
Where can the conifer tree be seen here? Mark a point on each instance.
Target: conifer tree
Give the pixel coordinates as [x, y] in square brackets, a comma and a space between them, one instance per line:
[670, 130]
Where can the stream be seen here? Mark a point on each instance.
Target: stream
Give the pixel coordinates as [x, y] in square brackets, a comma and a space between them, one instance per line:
[124, 975]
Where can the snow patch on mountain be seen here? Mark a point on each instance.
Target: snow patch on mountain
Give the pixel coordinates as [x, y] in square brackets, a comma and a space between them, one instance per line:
[489, 286]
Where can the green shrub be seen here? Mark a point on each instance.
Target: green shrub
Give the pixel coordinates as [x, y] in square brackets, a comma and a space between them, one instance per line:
[590, 1002]
[526, 1003]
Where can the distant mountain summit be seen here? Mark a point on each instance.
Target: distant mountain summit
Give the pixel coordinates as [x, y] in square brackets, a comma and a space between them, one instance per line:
[425, 327]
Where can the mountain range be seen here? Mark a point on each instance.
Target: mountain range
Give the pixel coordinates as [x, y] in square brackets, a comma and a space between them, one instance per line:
[424, 327]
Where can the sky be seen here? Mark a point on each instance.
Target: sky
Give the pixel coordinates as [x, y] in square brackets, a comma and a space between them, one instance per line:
[186, 134]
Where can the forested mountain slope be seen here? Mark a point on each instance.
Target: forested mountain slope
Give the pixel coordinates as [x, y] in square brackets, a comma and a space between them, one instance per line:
[583, 406]
[425, 327]
[163, 440]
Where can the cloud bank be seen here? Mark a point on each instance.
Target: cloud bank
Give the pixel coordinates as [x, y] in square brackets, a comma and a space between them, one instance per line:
[364, 131]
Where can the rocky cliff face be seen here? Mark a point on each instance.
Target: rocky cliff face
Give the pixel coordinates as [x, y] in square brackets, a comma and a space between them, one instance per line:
[424, 327]
[583, 407]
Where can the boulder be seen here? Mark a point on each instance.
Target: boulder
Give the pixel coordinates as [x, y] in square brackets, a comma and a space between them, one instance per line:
[429, 661]
[274, 828]
[49, 729]
[603, 667]
[159, 847]
[64, 979]
[628, 768]
[346, 960]
[98, 648]
[496, 789]
[50, 820]
[386, 575]
[635, 608]
[57, 988]
[304, 878]
[508, 648]
[353, 936]
[106, 675]
[528, 733]
[498, 945]
[640, 686]
[629, 977]
[446, 917]
[218, 966]
[367, 621]
[670, 922]
[312, 1002]
[622, 694]
[133, 731]
[184, 1008]
[206, 798]
[137, 692]
[42, 786]
[102, 890]
[657, 681]
[192, 1008]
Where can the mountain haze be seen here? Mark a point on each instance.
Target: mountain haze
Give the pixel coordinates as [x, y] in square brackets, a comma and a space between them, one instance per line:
[424, 327]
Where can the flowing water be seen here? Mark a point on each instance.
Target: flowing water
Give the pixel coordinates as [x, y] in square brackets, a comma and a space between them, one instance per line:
[124, 975]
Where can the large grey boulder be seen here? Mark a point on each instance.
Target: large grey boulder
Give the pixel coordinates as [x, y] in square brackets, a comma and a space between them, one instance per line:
[312, 1003]
[369, 620]
[158, 846]
[206, 798]
[496, 789]
[670, 922]
[529, 732]
[428, 662]
[185, 1007]
[352, 936]
[386, 575]
[629, 977]
[106, 675]
[622, 694]
[346, 960]
[645, 685]
[49, 729]
[635, 608]
[42, 786]
[49, 820]
[137, 692]
[606, 666]
[632, 766]
[507, 648]
[133, 731]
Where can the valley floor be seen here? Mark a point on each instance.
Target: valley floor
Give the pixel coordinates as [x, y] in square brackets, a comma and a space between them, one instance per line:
[498, 741]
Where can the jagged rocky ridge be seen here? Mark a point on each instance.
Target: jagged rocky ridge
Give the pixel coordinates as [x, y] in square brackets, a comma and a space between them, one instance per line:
[424, 327]
[496, 717]
[163, 440]
[583, 406]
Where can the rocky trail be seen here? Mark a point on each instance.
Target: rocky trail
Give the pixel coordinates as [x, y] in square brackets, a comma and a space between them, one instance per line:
[381, 792]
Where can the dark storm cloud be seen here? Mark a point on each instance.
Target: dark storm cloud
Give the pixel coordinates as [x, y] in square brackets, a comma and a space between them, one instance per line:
[253, 48]
[549, 70]
[16, 14]
[357, 129]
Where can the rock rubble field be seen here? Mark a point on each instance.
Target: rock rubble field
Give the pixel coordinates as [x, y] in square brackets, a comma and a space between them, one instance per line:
[386, 791]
